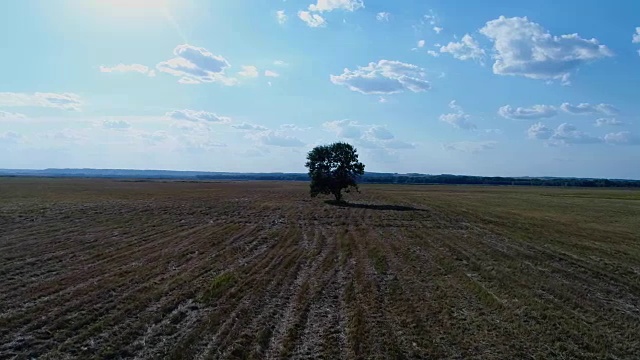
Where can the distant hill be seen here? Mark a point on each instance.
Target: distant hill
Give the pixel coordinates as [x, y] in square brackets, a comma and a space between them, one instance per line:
[369, 177]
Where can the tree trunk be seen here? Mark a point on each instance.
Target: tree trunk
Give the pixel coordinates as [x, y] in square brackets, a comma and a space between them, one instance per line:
[338, 195]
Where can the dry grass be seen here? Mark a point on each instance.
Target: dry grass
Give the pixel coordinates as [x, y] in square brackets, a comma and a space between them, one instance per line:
[113, 269]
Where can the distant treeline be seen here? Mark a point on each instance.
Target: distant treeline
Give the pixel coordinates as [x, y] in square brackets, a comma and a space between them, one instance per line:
[378, 178]
[370, 177]
[482, 180]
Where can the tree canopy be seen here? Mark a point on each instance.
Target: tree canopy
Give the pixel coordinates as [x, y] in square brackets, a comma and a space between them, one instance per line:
[333, 168]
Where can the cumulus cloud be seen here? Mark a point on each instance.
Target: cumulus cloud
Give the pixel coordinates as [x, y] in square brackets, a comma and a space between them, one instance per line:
[384, 77]
[421, 43]
[539, 131]
[66, 101]
[330, 5]
[379, 133]
[312, 20]
[458, 118]
[249, 71]
[437, 29]
[247, 126]
[197, 116]
[346, 129]
[635, 39]
[589, 109]
[280, 63]
[466, 49]
[115, 124]
[524, 48]
[123, 68]
[608, 122]
[269, 73]
[5, 115]
[366, 136]
[281, 17]
[473, 147]
[534, 112]
[195, 65]
[564, 134]
[277, 138]
[433, 53]
[569, 134]
[621, 138]
[383, 16]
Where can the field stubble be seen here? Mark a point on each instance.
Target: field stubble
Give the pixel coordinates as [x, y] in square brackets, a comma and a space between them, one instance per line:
[117, 269]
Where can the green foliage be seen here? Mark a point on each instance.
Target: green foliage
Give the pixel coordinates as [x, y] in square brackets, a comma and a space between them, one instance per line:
[333, 168]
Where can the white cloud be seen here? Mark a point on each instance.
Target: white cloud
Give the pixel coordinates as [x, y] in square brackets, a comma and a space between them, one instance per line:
[122, 68]
[312, 20]
[534, 112]
[247, 126]
[249, 71]
[569, 134]
[292, 127]
[280, 63]
[458, 118]
[197, 116]
[636, 37]
[277, 138]
[281, 17]
[432, 18]
[398, 144]
[384, 77]
[379, 132]
[589, 109]
[621, 138]
[66, 101]
[270, 73]
[10, 137]
[195, 65]
[564, 134]
[467, 49]
[539, 131]
[421, 43]
[69, 136]
[188, 81]
[608, 122]
[346, 129]
[437, 29]
[525, 48]
[366, 136]
[383, 16]
[116, 124]
[5, 115]
[473, 147]
[382, 100]
[330, 5]
[433, 53]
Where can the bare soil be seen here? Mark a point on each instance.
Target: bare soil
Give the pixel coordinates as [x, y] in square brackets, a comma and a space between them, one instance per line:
[94, 269]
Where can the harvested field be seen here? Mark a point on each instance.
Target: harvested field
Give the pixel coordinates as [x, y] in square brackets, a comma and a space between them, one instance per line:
[182, 270]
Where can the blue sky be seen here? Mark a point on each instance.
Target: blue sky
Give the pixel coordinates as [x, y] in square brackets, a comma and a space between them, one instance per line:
[485, 88]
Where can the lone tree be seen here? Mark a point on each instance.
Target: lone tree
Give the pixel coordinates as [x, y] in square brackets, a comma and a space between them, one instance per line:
[333, 168]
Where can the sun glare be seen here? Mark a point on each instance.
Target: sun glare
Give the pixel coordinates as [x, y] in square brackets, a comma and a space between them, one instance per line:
[131, 7]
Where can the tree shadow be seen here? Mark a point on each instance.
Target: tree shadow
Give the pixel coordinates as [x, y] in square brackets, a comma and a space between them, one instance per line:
[372, 206]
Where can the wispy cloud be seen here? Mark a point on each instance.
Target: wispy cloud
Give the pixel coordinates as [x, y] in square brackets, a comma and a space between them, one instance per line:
[66, 101]
[124, 68]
